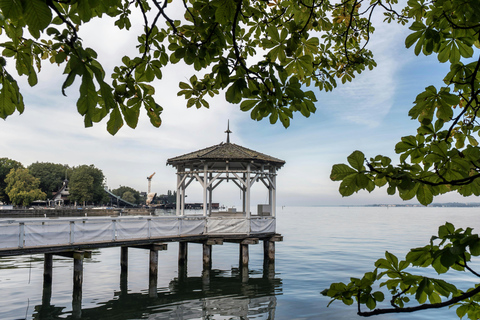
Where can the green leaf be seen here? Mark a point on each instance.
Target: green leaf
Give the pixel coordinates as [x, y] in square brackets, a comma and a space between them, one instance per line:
[356, 160]
[115, 122]
[424, 194]
[340, 171]
[246, 105]
[225, 11]
[348, 185]
[88, 96]
[11, 9]
[37, 16]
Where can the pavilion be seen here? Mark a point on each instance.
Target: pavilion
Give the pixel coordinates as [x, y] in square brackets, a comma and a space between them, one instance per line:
[227, 162]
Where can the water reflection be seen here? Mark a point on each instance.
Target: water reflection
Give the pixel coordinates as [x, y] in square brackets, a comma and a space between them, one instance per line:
[216, 294]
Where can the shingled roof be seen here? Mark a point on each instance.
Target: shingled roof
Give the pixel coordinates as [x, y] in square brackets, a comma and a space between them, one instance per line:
[223, 152]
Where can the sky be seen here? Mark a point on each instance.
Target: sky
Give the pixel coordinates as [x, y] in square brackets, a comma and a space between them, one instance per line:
[369, 114]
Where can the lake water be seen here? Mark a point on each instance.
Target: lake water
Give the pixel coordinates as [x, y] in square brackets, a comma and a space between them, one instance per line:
[321, 245]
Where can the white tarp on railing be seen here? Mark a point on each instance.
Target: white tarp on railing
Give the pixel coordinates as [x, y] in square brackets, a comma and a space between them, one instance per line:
[87, 230]
[226, 225]
[262, 225]
[47, 233]
[24, 233]
[9, 233]
[193, 226]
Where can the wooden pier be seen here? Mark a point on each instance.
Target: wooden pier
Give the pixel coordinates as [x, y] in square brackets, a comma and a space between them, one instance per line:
[75, 237]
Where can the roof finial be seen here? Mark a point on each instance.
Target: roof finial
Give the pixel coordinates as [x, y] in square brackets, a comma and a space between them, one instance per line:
[228, 131]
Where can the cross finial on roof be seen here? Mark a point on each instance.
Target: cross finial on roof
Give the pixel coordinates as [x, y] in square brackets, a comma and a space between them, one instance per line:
[228, 132]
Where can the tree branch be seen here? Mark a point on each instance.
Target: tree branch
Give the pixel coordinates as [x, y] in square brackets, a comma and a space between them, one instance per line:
[454, 300]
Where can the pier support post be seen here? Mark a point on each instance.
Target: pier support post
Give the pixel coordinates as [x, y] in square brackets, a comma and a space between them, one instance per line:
[182, 254]
[124, 270]
[152, 283]
[47, 280]
[244, 257]
[207, 256]
[48, 269]
[77, 284]
[269, 250]
[124, 260]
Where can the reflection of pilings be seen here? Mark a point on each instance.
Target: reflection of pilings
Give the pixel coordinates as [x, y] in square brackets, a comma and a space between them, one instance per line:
[244, 273]
[268, 269]
[153, 266]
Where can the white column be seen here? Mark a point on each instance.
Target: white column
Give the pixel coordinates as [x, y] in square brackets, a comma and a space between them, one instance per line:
[210, 191]
[182, 201]
[244, 206]
[177, 204]
[205, 191]
[247, 200]
[274, 192]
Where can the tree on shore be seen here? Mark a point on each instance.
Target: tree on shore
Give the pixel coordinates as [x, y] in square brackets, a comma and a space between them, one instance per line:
[23, 188]
[86, 185]
[122, 190]
[6, 165]
[51, 176]
[265, 56]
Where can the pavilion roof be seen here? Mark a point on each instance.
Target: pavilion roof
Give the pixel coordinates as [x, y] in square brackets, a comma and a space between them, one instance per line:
[225, 152]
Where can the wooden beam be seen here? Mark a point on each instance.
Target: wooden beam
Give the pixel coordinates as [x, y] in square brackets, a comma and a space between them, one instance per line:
[276, 238]
[243, 241]
[75, 254]
[153, 246]
[214, 241]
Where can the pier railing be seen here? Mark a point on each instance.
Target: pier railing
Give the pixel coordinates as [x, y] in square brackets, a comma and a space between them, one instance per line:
[47, 232]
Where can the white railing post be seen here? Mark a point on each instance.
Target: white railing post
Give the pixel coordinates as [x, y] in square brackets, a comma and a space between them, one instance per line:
[21, 235]
[72, 232]
[149, 232]
[114, 229]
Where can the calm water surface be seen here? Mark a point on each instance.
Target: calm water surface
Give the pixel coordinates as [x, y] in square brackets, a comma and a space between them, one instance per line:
[321, 245]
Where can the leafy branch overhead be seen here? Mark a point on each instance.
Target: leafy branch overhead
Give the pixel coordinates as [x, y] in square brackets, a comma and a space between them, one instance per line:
[261, 55]
[444, 155]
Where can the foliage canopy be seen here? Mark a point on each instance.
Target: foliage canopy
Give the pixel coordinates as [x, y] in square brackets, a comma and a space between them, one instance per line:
[261, 54]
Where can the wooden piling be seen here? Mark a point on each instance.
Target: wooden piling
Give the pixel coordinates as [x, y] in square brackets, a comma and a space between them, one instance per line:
[47, 269]
[244, 257]
[124, 260]
[269, 250]
[207, 256]
[182, 254]
[77, 284]
[153, 274]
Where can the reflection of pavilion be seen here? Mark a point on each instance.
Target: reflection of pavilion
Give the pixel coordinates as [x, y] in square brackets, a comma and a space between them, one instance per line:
[223, 163]
[213, 294]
